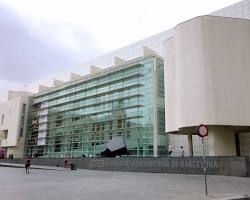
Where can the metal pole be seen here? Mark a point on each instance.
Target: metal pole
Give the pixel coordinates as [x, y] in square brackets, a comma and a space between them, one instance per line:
[204, 168]
[71, 150]
[138, 145]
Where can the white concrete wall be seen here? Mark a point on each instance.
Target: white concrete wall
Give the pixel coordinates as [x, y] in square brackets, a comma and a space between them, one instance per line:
[15, 94]
[12, 111]
[170, 87]
[18, 150]
[207, 73]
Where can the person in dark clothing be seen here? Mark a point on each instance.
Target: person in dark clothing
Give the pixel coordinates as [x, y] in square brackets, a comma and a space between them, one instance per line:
[66, 162]
[182, 151]
[170, 151]
[72, 166]
[27, 165]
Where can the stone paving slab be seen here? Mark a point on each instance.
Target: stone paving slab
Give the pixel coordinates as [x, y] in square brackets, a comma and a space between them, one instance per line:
[105, 185]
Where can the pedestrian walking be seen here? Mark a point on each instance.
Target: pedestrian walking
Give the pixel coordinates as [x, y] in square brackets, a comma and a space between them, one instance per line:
[66, 162]
[170, 151]
[182, 151]
[27, 164]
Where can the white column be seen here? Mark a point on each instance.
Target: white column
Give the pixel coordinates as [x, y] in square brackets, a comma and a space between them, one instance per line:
[221, 141]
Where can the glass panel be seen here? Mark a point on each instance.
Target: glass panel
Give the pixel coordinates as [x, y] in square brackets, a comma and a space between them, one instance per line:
[82, 118]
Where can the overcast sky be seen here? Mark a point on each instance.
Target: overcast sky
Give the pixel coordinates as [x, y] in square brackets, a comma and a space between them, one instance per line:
[42, 37]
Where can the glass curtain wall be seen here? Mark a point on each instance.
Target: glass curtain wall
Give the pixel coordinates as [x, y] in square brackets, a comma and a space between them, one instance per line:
[81, 118]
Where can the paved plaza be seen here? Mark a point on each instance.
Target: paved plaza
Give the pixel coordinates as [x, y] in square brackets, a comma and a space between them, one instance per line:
[81, 184]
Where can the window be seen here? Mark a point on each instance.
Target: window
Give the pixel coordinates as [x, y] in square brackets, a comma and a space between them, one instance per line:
[110, 125]
[119, 134]
[22, 121]
[91, 83]
[36, 106]
[128, 134]
[5, 134]
[23, 109]
[119, 123]
[75, 118]
[102, 89]
[75, 145]
[58, 121]
[58, 141]
[2, 119]
[128, 124]
[21, 132]
[102, 127]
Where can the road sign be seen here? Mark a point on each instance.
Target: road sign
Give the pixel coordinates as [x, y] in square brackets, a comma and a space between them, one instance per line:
[202, 130]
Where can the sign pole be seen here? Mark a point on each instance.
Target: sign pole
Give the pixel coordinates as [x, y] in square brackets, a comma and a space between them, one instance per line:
[204, 167]
[203, 132]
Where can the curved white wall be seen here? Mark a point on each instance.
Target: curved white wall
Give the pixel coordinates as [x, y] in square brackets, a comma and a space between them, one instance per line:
[207, 73]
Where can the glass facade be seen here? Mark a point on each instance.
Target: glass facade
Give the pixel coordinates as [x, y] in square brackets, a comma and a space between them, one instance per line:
[240, 9]
[81, 117]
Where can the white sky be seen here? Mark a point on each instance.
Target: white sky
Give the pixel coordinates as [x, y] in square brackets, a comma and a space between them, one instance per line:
[79, 30]
[113, 23]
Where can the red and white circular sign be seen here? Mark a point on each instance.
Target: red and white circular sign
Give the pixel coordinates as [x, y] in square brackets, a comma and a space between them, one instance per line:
[202, 130]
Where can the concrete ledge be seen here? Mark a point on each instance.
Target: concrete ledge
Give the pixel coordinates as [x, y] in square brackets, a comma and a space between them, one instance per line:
[224, 165]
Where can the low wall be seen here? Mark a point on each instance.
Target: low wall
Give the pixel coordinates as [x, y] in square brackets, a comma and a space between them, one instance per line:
[216, 165]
